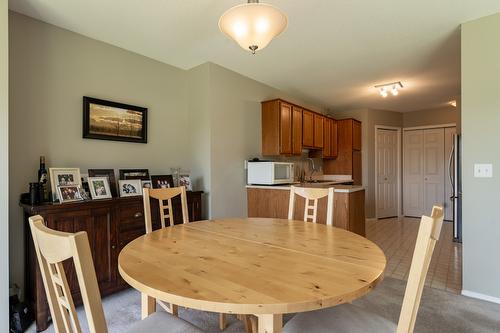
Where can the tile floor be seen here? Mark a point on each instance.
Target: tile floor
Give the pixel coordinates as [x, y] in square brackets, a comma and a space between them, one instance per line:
[396, 237]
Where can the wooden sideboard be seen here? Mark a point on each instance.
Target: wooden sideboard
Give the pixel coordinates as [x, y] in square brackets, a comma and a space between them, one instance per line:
[110, 225]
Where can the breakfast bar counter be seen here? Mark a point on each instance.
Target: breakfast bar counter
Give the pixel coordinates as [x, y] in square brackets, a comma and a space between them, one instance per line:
[273, 201]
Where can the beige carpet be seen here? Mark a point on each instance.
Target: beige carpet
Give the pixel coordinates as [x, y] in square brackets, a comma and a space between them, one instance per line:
[440, 311]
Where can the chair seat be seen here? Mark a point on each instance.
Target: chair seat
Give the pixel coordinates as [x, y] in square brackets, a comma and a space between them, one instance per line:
[346, 318]
[162, 322]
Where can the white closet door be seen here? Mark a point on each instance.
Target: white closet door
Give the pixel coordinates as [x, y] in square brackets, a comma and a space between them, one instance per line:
[448, 189]
[433, 168]
[387, 173]
[413, 189]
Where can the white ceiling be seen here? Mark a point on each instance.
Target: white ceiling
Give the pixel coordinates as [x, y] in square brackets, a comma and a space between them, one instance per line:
[333, 52]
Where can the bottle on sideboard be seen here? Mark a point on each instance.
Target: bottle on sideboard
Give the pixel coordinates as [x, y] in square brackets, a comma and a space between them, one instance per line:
[42, 179]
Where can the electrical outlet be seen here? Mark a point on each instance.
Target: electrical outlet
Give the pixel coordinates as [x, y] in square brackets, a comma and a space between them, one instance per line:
[483, 170]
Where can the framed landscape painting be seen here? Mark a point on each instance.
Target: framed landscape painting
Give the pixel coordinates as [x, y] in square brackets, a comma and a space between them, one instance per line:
[105, 120]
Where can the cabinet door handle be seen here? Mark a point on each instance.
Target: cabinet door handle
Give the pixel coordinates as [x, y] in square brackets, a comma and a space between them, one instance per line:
[137, 215]
[113, 247]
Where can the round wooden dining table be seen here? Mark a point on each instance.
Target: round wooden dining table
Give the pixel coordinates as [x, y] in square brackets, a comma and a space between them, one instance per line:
[264, 267]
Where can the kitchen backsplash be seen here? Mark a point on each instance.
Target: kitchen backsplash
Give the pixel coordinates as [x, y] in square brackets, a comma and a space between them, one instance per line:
[302, 164]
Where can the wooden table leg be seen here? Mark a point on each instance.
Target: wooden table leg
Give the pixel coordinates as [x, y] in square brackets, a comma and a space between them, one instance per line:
[272, 323]
[148, 305]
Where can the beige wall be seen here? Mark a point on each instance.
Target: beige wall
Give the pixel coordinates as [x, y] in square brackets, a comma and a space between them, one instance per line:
[369, 119]
[235, 135]
[51, 69]
[436, 116]
[4, 172]
[199, 131]
[480, 138]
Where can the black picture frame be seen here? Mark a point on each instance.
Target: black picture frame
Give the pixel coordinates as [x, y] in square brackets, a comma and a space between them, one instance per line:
[110, 173]
[157, 179]
[90, 132]
[126, 174]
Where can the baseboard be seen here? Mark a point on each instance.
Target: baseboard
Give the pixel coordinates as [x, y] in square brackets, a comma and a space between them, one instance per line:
[371, 219]
[481, 296]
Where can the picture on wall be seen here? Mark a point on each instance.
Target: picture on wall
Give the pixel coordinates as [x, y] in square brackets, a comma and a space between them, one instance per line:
[62, 177]
[162, 181]
[106, 120]
[99, 188]
[130, 188]
[69, 193]
[108, 173]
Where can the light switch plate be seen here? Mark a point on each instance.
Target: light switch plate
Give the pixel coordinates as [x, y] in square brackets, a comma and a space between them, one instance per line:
[483, 170]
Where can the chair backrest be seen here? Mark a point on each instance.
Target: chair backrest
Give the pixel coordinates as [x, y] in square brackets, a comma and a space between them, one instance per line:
[428, 235]
[52, 248]
[312, 194]
[164, 195]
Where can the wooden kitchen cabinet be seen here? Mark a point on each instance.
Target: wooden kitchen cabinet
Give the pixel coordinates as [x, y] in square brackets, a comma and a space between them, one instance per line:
[348, 210]
[318, 131]
[308, 129]
[348, 161]
[296, 130]
[356, 135]
[330, 138]
[279, 118]
[327, 148]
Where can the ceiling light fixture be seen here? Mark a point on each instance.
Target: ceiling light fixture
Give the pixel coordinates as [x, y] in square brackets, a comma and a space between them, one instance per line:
[253, 25]
[394, 87]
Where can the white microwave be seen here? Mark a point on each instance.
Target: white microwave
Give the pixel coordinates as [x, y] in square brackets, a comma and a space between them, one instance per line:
[270, 173]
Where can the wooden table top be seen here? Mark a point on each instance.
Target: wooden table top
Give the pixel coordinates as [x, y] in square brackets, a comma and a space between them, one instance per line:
[252, 266]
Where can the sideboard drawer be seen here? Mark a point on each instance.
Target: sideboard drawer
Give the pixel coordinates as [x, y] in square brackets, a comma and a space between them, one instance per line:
[131, 216]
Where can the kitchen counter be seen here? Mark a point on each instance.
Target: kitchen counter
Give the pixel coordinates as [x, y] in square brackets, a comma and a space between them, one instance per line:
[339, 187]
[348, 201]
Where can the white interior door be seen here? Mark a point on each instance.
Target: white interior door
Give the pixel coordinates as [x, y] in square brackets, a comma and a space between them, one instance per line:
[387, 173]
[433, 168]
[449, 134]
[413, 173]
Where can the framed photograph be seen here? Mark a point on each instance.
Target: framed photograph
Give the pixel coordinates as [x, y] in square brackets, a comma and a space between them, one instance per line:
[185, 181]
[110, 174]
[69, 193]
[130, 187]
[142, 174]
[99, 188]
[106, 120]
[146, 184]
[63, 177]
[162, 181]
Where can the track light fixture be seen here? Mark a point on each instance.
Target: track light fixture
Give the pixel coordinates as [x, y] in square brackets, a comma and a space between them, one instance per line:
[393, 87]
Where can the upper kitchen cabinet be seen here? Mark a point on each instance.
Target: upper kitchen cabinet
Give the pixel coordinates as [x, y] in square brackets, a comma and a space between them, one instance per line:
[330, 149]
[318, 131]
[348, 161]
[308, 129]
[279, 119]
[296, 130]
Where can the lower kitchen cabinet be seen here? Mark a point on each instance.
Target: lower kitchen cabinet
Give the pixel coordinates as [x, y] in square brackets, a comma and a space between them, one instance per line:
[348, 209]
[110, 225]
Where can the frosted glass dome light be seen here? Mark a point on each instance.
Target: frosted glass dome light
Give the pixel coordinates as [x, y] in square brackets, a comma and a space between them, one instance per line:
[253, 25]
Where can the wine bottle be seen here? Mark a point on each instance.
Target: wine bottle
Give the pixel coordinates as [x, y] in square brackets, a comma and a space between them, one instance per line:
[42, 179]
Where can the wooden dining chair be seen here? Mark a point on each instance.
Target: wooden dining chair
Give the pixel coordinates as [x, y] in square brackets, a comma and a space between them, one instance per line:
[311, 196]
[52, 249]
[164, 197]
[355, 319]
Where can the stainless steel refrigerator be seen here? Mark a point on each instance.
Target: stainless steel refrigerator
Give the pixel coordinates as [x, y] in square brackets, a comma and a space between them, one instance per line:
[456, 184]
